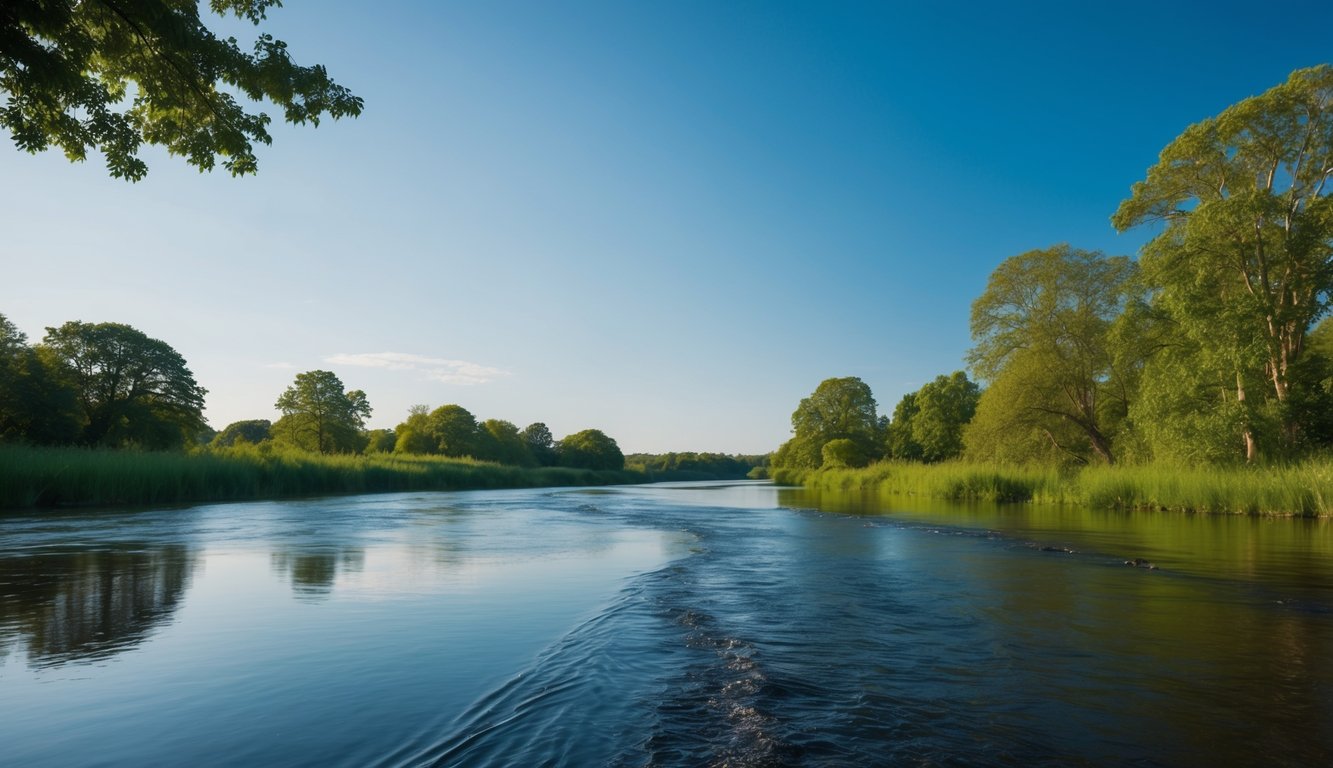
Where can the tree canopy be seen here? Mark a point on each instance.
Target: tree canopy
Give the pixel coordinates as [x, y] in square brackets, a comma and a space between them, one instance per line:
[252, 431]
[37, 404]
[112, 75]
[1044, 341]
[840, 408]
[936, 415]
[590, 449]
[319, 415]
[1243, 264]
[132, 390]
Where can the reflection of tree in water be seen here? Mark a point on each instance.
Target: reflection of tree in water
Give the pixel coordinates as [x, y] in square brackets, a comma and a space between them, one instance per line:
[313, 571]
[89, 605]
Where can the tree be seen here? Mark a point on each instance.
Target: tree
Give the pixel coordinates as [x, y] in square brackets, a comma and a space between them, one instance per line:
[36, 405]
[1045, 342]
[454, 430]
[381, 441]
[1243, 264]
[249, 431]
[540, 443]
[319, 415]
[839, 408]
[113, 74]
[507, 444]
[899, 442]
[590, 449]
[413, 435]
[943, 407]
[133, 390]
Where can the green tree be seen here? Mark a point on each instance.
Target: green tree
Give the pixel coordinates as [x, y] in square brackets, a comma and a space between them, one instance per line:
[540, 443]
[381, 441]
[507, 444]
[413, 434]
[251, 431]
[113, 74]
[454, 430]
[590, 449]
[36, 404]
[1243, 262]
[899, 442]
[319, 415]
[133, 390]
[1045, 333]
[943, 407]
[838, 409]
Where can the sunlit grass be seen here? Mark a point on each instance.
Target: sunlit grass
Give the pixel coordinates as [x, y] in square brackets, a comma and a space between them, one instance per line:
[1299, 489]
[70, 476]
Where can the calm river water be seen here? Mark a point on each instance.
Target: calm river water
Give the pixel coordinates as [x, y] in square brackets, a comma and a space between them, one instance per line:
[672, 625]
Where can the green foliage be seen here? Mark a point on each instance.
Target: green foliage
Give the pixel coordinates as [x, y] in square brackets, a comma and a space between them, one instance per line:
[1243, 264]
[689, 465]
[899, 442]
[506, 444]
[132, 390]
[249, 431]
[1058, 371]
[43, 477]
[589, 449]
[455, 431]
[113, 74]
[842, 453]
[36, 405]
[380, 441]
[1299, 489]
[540, 443]
[934, 418]
[838, 409]
[319, 415]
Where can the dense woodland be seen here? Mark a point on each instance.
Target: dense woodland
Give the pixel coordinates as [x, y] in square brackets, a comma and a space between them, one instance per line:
[1210, 348]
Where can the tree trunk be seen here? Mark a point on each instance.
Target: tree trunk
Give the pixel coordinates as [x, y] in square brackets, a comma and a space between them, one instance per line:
[1251, 448]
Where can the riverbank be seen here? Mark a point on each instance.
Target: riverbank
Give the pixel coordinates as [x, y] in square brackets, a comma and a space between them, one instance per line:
[48, 477]
[1299, 489]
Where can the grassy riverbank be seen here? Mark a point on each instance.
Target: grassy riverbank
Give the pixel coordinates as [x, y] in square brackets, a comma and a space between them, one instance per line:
[1299, 489]
[36, 477]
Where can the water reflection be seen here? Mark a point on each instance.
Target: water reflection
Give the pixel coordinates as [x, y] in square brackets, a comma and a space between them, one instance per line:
[91, 604]
[313, 572]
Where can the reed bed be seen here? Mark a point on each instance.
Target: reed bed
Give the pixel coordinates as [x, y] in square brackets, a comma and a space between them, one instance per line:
[1304, 488]
[43, 477]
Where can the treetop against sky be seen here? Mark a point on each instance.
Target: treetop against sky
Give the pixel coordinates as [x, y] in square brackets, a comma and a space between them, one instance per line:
[671, 221]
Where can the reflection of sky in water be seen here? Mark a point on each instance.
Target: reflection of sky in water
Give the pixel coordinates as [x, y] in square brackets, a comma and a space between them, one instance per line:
[308, 609]
[357, 630]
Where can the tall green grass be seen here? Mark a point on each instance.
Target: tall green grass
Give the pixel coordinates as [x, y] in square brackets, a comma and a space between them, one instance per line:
[1299, 489]
[33, 477]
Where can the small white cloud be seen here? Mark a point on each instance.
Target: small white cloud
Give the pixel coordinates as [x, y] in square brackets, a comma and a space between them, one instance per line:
[437, 368]
[281, 366]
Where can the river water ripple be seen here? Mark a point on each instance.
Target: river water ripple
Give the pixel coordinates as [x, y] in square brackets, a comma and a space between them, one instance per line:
[729, 624]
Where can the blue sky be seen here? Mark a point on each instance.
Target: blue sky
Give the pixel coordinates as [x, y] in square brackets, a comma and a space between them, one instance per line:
[669, 221]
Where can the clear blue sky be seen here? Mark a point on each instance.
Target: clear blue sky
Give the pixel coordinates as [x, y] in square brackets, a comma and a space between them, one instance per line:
[669, 221]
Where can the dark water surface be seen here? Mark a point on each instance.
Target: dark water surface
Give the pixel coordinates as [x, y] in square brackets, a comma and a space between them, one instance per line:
[676, 625]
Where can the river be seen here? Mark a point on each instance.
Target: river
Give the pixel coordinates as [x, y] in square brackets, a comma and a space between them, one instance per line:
[732, 624]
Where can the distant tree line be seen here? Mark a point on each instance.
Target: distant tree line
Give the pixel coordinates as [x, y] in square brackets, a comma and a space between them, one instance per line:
[109, 385]
[320, 415]
[1212, 347]
[698, 466]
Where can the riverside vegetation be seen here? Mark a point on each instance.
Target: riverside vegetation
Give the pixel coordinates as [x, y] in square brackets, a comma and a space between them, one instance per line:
[103, 414]
[1197, 377]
